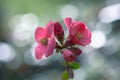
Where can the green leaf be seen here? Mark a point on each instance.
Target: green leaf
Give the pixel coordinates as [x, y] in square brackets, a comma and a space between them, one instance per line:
[75, 65]
[65, 75]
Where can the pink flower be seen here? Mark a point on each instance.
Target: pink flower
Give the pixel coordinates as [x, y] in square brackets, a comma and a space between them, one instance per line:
[58, 32]
[78, 32]
[68, 55]
[46, 41]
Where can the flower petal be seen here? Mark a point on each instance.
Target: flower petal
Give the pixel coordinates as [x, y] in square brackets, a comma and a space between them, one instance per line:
[40, 51]
[86, 34]
[68, 22]
[75, 40]
[50, 27]
[40, 33]
[51, 46]
[86, 37]
[77, 27]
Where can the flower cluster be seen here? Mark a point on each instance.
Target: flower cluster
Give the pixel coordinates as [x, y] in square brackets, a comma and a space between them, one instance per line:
[52, 37]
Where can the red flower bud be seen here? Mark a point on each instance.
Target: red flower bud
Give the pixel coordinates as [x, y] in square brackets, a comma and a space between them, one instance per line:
[76, 50]
[68, 55]
[58, 32]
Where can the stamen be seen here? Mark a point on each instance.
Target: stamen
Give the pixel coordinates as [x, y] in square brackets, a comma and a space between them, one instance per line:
[78, 35]
[44, 41]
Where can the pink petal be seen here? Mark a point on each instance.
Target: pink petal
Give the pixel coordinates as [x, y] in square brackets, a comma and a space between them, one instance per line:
[68, 55]
[86, 34]
[68, 22]
[75, 22]
[83, 29]
[75, 40]
[40, 51]
[50, 27]
[50, 47]
[86, 37]
[84, 41]
[40, 33]
[77, 27]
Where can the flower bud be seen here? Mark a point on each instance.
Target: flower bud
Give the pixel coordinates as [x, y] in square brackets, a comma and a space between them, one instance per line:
[76, 50]
[58, 32]
[68, 55]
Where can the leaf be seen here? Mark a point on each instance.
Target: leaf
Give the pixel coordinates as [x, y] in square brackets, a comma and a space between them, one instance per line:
[75, 65]
[65, 75]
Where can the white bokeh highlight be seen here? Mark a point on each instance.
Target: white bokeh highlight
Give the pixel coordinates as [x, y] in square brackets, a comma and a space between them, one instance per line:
[98, 39]
[24, 27]
[110, 13]
[69, 11]
[7, 52]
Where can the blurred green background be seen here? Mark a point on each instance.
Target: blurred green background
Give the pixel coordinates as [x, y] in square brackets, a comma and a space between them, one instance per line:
[19, 18]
